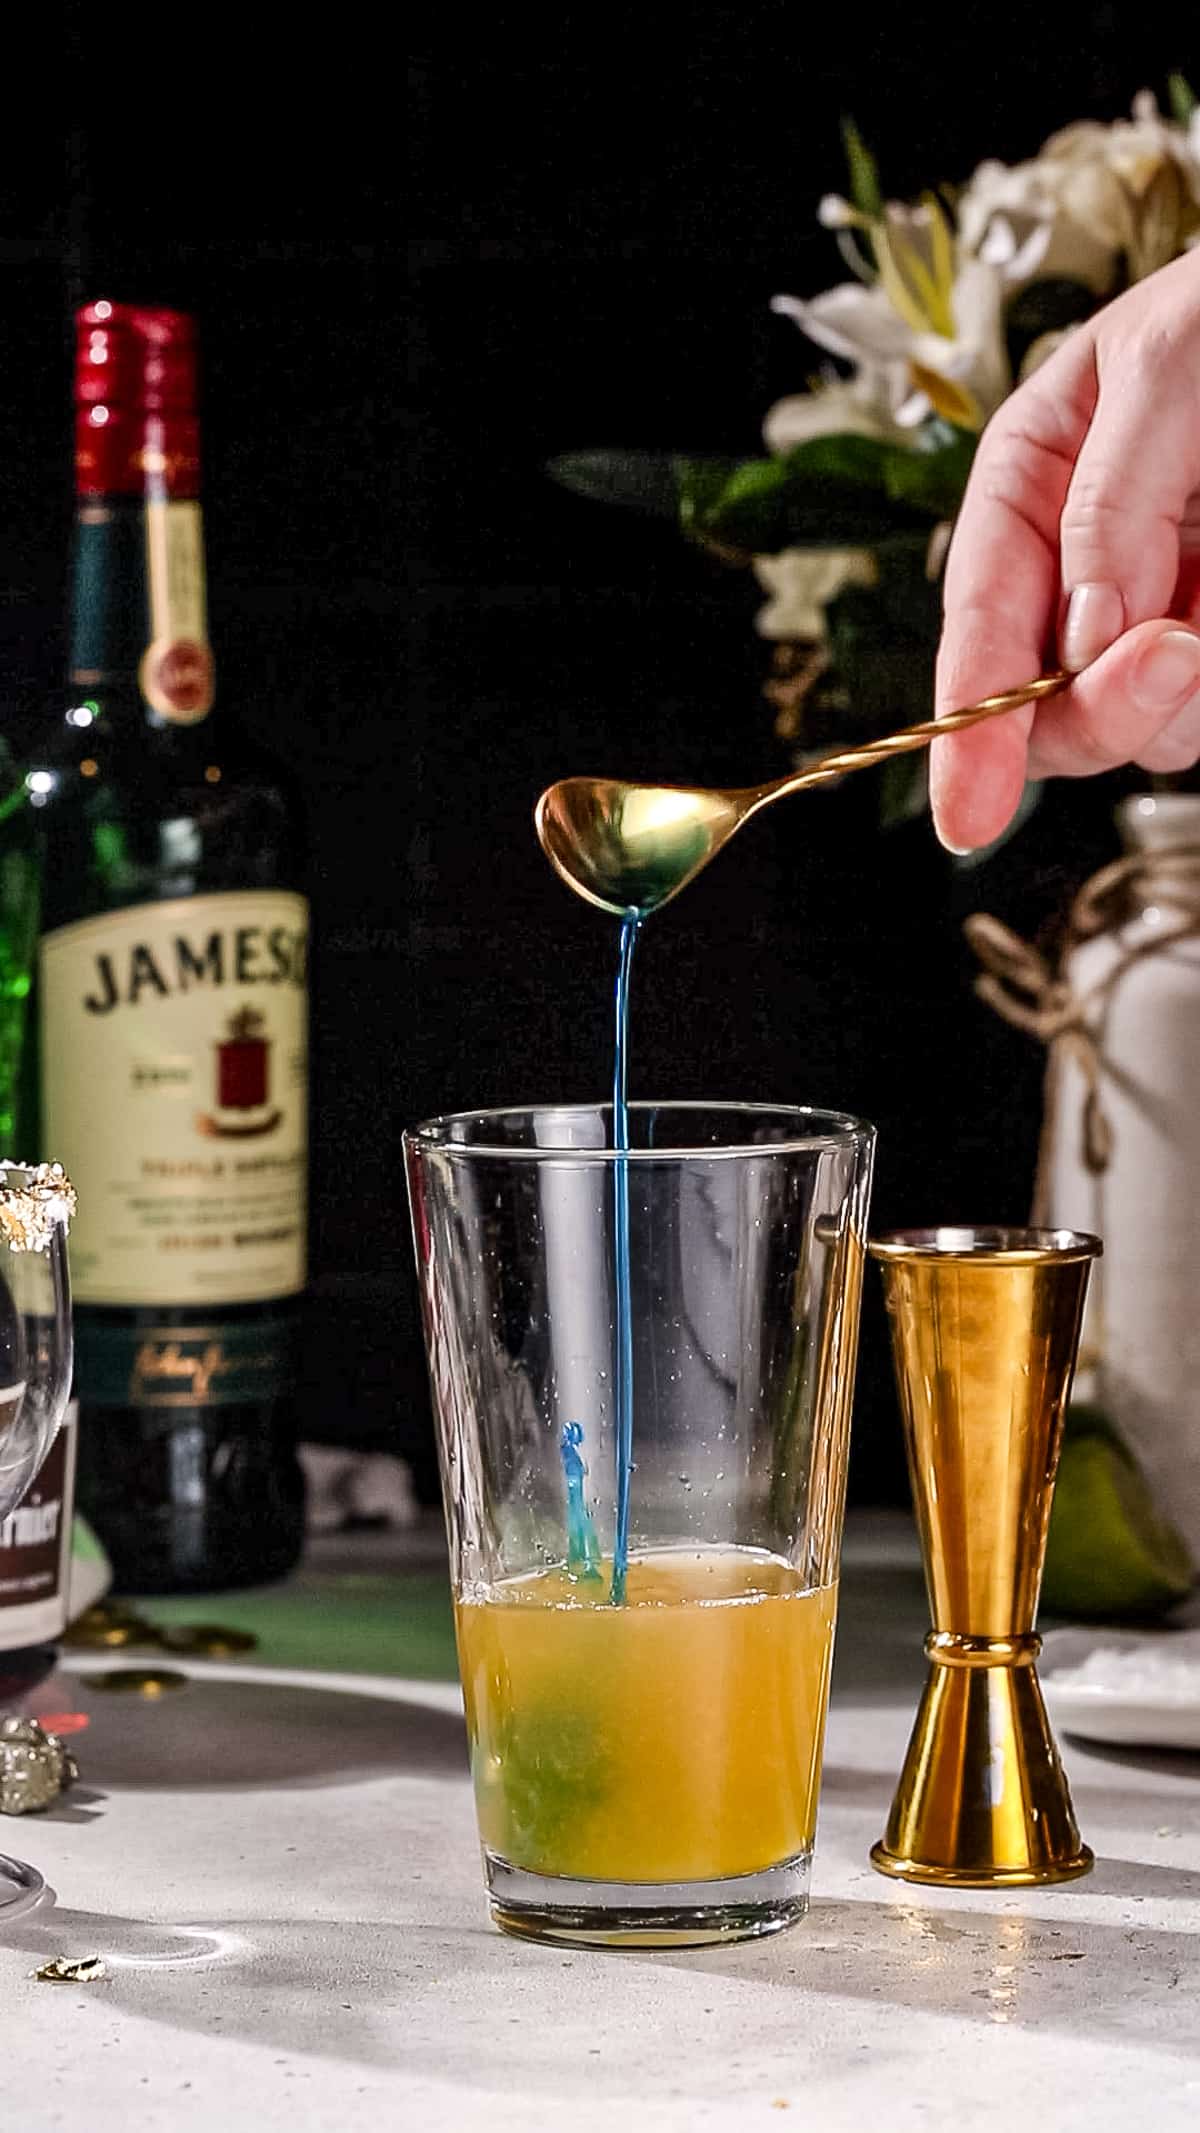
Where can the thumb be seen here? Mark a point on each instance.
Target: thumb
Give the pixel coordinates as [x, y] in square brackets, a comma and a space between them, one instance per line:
[1120, 530]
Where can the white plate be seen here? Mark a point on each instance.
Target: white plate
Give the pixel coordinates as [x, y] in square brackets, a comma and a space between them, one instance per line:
[1143, 1712]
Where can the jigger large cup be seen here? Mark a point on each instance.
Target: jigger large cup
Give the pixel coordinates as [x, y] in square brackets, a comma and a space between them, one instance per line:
[985, 1328]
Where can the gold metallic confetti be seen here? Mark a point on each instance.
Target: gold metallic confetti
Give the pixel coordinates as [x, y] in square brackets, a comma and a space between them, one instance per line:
[109, 1626]
[32, 1212]
[146, 1681]
[207, 1640]
[34, 1766]
[72, 1970]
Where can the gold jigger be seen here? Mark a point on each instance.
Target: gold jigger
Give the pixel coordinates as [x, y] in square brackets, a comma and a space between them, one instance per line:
[985, 1329]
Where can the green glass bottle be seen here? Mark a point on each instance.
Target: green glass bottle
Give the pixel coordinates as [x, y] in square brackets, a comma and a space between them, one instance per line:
[172, 1011]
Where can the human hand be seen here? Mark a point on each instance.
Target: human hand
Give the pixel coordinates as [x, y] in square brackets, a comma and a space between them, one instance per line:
[1081, 526]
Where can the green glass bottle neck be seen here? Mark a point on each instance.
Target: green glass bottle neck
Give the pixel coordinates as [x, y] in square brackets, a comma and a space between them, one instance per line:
[138, 615]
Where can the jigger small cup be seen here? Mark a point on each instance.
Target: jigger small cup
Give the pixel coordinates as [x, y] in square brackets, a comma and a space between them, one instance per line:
[985, 1331]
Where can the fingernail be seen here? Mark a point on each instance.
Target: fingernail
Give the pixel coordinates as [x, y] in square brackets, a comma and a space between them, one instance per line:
[1095, 619]
[1168, 672]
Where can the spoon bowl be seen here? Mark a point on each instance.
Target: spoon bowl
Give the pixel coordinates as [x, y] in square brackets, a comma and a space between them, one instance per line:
[631, 847]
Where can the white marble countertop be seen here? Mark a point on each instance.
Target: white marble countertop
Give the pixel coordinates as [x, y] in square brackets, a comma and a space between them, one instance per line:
[281, 1876]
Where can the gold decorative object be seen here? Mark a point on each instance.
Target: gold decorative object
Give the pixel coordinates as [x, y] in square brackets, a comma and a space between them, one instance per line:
[630, 847]
[37, 1201]
[72, 1970]
[985, 1330]
[34, 1766]
[207, 1640]
[108, 1627]
[148, 1681]
[112, 1626]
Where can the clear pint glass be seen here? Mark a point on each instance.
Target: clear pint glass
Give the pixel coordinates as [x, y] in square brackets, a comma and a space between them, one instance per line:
[645, 1690]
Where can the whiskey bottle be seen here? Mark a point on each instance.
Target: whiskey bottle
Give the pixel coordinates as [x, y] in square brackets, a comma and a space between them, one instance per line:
[172, 1010]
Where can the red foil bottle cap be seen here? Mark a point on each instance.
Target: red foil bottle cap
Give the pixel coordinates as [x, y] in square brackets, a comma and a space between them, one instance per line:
[136, 432]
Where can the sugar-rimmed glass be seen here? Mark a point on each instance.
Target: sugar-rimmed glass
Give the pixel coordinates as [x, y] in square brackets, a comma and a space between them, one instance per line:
[35, 1370]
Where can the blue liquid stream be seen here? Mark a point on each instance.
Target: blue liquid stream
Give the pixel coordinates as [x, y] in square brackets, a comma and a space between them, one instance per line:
[583, 1553]
[624, 1301]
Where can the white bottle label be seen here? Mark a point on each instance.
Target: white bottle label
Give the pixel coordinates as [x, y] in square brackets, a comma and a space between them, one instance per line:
[176, 671]
[174, 1078]
[35, 1549]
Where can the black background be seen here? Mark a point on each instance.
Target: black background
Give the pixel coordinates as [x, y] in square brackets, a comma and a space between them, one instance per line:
[578, 247]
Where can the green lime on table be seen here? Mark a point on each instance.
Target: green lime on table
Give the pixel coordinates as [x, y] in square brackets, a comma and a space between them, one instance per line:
[1111, 1555]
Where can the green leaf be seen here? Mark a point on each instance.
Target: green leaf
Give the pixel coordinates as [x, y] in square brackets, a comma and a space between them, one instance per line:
[887, 674]
[865, 190]
[882, 644]
[640, 481]
[906, 608]
[840, 491]
[700, 485]
[830, 492]
[1181, 98]
[932, 480]
[765, 505]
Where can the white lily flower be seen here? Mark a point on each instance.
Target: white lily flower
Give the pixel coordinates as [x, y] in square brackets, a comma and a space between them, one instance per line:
[801, 583]
[947, 356]
[1022, 219]
[862, 406]
[965, 378]
[853, 321]
[1109, 200]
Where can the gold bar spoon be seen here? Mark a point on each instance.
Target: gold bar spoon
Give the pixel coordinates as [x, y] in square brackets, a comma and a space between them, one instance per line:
[626, 847]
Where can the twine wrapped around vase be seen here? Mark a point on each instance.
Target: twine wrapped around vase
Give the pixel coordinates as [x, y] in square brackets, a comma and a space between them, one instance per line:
[1035, 994]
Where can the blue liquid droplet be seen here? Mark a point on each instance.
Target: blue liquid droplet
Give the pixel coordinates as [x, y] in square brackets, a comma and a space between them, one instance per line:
[583, 1548]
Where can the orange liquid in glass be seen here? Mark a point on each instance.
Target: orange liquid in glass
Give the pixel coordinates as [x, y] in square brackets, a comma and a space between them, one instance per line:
[676, 1737]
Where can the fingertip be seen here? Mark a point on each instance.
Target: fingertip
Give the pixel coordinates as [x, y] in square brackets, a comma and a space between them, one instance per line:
[975, 786]
[956, 851]
[943, 802]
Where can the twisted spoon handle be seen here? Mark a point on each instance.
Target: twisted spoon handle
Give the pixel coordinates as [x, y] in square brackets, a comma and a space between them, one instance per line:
[930, 729]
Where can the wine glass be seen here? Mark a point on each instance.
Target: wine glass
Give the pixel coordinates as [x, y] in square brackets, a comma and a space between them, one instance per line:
[36, 1203]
